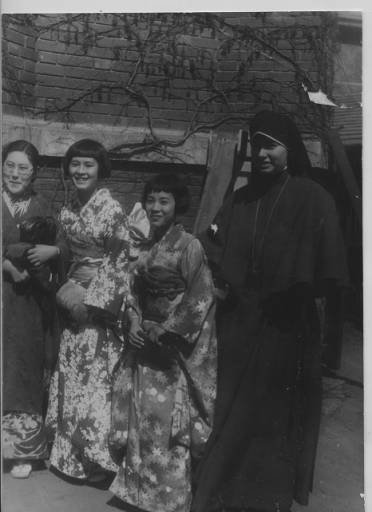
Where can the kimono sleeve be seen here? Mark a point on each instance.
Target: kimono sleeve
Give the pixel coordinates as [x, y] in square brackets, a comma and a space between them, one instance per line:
[110, 286]
[188, 318]
[61, 242]
[60, 265]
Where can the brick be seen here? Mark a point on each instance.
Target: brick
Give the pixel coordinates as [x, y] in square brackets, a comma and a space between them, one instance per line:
[49, 185]
[52, 92]
[13, 49]
[83, 85]
[99, 24]
[110, 41]
[87, 74]
[48, 57]
[27, 77]
[48, 69]
[58, 81]
[130, 55]
[14, 37]
[104, 53]
[199, 42]
[136, 111]
[225, 76]
[50, 46]
[115, 98]
[176, 104]
[176, 115]
[122, 65]
[187, 83]
[28, 54]
[16, 62]
[102, 64]
[123, 77]
[30, 42]
[73, 60]
[229, 65]
[103, 108]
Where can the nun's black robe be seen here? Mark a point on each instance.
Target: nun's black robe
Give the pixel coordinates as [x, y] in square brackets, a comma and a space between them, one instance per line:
[262, 450]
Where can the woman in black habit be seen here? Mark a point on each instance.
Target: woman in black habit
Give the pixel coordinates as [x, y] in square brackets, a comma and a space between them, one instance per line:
[276, 245]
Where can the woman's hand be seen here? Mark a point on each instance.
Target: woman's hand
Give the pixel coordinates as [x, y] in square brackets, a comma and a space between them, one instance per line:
[153, 331]
[18, 276]
[40, 254]
[136, 335]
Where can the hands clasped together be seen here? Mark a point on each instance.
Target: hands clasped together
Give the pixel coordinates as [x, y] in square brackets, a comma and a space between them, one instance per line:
[141, 333]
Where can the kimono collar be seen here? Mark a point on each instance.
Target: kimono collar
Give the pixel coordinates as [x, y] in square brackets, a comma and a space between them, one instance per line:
[172, 232]
[99, 196]
[17, 206]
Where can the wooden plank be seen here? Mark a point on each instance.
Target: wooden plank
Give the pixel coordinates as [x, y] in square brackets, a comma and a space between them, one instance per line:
[347, 173]
[220, 167]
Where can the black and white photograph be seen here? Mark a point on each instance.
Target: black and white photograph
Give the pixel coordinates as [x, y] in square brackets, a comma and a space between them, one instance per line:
[182, 260]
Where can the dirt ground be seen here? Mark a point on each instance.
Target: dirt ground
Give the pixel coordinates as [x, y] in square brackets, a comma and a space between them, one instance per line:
[338, 482]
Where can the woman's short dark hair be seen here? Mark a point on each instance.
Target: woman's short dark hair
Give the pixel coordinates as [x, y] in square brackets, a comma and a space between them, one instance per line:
[25, 147]
[88, 148]
[172, 184]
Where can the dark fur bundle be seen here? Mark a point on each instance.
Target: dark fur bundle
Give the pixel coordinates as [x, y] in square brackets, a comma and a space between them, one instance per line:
[38, 230]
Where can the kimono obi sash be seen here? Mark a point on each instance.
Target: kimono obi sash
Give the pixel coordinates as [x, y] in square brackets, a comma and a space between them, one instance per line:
[87, 257]
[159, 289]
[83, 271]
[160, 281]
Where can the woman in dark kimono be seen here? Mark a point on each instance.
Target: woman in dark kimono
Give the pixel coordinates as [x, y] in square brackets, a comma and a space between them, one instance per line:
[275, 245]
[28, 331]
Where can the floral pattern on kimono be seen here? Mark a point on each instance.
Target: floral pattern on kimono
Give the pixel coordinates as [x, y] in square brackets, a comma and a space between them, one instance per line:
[23, 436]
[163, 398]
[80, 393]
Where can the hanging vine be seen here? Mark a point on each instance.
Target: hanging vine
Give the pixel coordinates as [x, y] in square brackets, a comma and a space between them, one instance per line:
[227, 68]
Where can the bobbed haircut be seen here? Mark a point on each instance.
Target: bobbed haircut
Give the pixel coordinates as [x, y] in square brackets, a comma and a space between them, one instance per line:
[172, 184]
[88, 148]
[24, 147]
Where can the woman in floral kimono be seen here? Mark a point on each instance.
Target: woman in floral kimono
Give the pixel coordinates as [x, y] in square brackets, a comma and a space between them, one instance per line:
[79, 404]
[164, 389]
[29, 331]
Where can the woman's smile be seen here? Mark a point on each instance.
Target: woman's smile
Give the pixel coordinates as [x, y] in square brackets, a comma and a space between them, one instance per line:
[160, 208]
[84, 174]
[80, 178]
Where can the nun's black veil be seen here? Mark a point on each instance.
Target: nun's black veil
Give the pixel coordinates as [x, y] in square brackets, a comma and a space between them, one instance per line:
[281, 128]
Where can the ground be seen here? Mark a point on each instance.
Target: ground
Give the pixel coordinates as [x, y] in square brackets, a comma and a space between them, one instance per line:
[338, 481]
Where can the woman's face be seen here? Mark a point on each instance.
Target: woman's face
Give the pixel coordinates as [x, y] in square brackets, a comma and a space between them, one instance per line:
[17, 173]
[268, 157]
[161, 209]
[84, 173]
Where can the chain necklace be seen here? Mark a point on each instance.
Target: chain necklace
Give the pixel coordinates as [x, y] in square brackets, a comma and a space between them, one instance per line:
[254, 253]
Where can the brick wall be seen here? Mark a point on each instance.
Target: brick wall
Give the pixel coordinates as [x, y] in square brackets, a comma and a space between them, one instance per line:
[19, 77]
[48, 68]
[62, 63]
[126, 183]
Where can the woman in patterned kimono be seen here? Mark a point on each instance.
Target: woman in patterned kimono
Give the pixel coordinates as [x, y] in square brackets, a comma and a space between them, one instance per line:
[164, 389]
[96, 230]
[29, 336]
